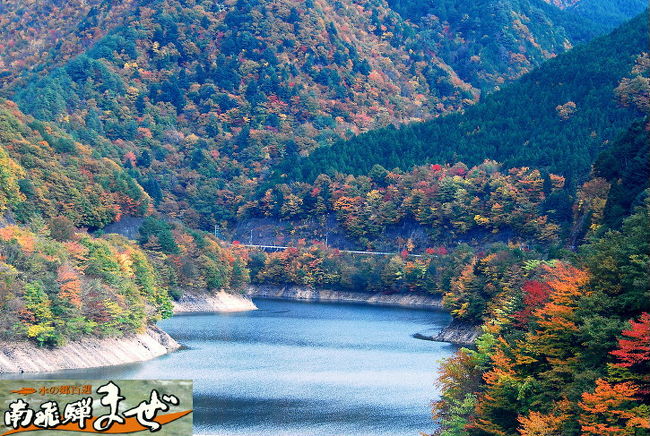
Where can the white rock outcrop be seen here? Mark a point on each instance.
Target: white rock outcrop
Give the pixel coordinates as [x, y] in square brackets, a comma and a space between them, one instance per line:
[307, 294]
[23, 356]
[221, 301]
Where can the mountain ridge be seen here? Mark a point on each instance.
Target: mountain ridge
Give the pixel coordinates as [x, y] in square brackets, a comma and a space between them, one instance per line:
[546, 119]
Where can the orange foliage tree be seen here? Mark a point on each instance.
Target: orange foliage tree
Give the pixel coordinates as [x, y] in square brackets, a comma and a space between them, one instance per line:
[611, 410]
[69, 285]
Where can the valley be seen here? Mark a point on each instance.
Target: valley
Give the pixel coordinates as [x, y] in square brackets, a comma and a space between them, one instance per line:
[226, 170]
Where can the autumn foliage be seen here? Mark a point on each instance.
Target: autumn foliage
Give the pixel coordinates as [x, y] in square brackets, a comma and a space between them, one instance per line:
[55, 291]
[560, 355]
[612, 410]
[449, 200]
[634, 347]
[633, 353]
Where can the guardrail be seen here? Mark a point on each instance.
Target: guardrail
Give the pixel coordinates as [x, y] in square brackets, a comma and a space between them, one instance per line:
[283, 247]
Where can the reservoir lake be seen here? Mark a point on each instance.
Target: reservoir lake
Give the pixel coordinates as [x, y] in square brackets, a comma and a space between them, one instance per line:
[300, 369]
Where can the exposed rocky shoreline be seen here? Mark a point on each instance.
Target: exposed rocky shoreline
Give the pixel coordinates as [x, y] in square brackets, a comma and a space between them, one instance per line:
[458, 333]
[25, 357]
[327, 295]
[221, 301]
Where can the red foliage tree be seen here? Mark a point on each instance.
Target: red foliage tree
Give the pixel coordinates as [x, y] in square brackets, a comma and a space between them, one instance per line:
[633, 352]
[69, 285]
[535, 295]
[636, 349]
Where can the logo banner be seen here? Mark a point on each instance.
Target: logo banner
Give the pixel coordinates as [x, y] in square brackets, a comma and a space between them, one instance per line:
[71, 407]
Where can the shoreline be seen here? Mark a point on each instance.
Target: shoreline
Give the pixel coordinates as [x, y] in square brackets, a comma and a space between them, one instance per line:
[455, 333]
[299, 293]
[222, 301]
[26, 357]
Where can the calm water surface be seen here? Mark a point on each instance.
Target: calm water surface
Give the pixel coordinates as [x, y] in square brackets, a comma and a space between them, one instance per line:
[301, 369]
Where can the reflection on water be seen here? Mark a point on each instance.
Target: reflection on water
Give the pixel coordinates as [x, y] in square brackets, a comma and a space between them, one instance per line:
[301, 369]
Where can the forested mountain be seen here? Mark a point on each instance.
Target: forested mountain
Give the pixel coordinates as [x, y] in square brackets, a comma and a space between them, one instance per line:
[285, 47]
[625, 166]
[57, 281]
[47, 174]
[60, 283]
[449, 202]
[491, 42]
[602, 14]
[199, 99]
[36, 36]
[188, 114]
[564, 344]
[606, 14]
[486, 42]
[556, 118]
[562, 4]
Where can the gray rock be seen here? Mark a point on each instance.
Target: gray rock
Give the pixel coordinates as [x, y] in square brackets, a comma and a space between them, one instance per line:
[457, 332]
[311, 294]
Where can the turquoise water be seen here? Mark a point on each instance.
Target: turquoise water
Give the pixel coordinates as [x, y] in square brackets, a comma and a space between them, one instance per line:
[301, 369]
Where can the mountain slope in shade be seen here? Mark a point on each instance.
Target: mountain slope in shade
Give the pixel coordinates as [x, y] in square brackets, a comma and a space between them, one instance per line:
[610, 12]
[201, 100]
[492, 42]
[562, 4]
[607, 14]
[487, 42]
[557, 118]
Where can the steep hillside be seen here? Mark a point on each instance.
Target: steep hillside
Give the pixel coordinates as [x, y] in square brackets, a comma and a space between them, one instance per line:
[556, 118]
[562, 4]
[60, 283]
[449, 203]
[602, 9]
[604, 15]
[37, 35]
[54, 290]
[200, 101]
[559, 352]
[200, 98]
[489, 42]
[607, 13]
[47, 174]
[626, 167]
[612, 11]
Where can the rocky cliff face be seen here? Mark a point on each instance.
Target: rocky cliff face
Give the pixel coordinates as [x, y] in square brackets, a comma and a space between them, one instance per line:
[220, 302]
[85, 353]
[307, 294]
